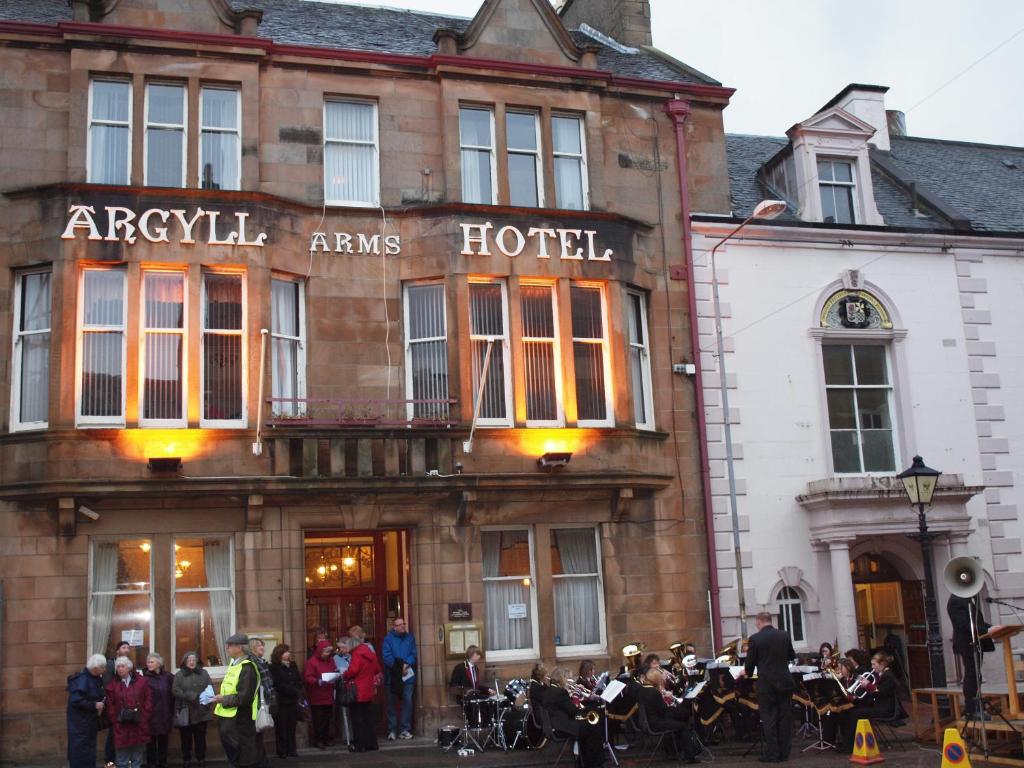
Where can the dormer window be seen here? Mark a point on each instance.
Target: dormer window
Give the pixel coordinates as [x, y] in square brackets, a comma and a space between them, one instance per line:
[836, 185]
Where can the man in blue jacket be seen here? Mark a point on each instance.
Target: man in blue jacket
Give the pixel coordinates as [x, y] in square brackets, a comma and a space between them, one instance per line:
[400, 672]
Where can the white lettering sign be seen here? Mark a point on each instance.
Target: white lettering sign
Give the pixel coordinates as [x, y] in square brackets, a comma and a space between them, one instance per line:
[359, 243]
[569, 244]
[123, 225]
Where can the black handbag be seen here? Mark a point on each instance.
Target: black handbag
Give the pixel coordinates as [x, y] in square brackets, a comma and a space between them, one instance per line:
[345, 693]
[128, 715]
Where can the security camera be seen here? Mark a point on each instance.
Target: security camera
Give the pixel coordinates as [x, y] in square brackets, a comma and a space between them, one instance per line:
[458, 468]
[89, 513]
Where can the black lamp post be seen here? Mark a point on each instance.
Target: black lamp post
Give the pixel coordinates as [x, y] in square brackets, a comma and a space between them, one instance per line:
[920, 482]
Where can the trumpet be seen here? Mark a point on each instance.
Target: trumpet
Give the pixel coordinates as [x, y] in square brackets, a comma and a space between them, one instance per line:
[863, 685]
[578, 693]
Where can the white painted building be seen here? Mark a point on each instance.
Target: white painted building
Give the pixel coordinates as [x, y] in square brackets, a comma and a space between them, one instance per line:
[880, 317]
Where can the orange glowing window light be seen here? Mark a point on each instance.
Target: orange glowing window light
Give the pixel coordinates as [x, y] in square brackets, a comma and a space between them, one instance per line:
[145, 444]
[537, 442]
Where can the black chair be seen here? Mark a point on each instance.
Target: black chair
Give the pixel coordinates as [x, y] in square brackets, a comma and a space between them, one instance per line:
[553, 736]
[646, 730]
[885, 727]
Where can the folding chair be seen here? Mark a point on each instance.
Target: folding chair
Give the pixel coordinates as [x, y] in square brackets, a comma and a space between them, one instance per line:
[555, 737]
[885, 727]
[646, 730]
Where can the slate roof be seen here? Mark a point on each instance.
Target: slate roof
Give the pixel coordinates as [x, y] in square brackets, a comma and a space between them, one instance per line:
[368, 28]
[973, 179]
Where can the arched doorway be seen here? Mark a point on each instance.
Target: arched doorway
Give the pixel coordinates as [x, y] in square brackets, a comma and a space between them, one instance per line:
[891, 607]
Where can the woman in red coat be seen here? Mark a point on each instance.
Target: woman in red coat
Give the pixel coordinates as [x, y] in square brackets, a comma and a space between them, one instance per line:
[320, 693]
[129, 707]
[364, 671]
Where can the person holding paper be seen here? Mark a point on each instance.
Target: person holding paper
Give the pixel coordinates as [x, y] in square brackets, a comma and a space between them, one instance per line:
[190, 681]
[363, 671]
[238, 704]
[399, 651]
[770, 653]
[320, 691]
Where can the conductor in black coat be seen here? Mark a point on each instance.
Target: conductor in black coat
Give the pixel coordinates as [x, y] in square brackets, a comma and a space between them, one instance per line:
[968, 625]
[770, 653]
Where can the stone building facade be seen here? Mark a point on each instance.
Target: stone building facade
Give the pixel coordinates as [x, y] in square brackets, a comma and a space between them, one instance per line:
[303, 308]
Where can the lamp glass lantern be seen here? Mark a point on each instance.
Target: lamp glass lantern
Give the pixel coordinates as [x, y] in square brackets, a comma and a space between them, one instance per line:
[919, 481]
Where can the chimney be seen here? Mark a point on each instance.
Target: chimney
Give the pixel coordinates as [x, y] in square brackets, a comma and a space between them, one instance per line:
[868, 103]
[897, 122]
[627, 21]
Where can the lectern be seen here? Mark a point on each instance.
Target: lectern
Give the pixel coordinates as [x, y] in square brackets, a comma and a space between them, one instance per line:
[1004, 633]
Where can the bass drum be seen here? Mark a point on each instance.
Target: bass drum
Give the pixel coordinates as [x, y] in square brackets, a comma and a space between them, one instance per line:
[533, 731]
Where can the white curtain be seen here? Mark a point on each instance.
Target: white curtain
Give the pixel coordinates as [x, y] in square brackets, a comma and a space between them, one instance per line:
[637, 355]
[284, 351]
[350, 152]
[217, 556]
[568, 150]
[104, 579]
[577, 615]
[504, 633]
[35, 347]
[165, 141]
[428, 349]
[109, 132]
[220, 142]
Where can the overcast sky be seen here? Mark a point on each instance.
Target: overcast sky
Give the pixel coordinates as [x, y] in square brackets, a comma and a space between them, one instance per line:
[785, 59]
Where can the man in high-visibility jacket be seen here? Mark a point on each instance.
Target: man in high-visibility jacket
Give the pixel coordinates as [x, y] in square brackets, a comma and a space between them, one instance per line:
[237, 705]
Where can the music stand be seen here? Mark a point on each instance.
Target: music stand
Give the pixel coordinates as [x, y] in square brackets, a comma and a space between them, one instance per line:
[1003, 634]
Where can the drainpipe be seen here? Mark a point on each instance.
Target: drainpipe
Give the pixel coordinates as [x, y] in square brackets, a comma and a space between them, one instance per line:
[678, 110]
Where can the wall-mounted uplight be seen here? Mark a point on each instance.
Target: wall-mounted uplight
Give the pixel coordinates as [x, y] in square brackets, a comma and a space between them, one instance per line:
[554, 460]
[164, 464]
[527, 582]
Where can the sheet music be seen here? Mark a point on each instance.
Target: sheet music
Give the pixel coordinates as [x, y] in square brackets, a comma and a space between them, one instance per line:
[695, 691]
[735, 672]
[613, 689]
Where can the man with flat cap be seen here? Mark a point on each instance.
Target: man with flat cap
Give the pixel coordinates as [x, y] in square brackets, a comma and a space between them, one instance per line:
[238, 704]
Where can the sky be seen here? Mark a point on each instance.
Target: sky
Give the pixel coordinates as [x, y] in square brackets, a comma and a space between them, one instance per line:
[955, 67]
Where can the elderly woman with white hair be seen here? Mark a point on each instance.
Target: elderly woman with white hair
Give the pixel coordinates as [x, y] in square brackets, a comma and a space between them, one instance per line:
[85, 705]
[130, 704]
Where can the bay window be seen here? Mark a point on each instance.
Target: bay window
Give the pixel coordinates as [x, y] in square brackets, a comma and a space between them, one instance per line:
[121, 597]
[570, 162]
[162, 356]
[203, 598]
[220, 138]
[426, 351]
[542, 359]
[525, 185]
[488, 327]
[640, 361]
[109, 145]
[165, 143]
[101, 341]
[30, 366]
[287, 346]
[223, 350]
[508, 577]
[591, 361]
[351, 164]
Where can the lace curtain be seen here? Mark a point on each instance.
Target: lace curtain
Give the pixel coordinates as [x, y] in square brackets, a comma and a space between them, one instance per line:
[104, 579]
[502, 590]
[577, 605]
[217, 555]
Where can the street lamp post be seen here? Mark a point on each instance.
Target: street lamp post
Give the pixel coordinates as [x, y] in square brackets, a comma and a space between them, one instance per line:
[920, 481]
[766, 209]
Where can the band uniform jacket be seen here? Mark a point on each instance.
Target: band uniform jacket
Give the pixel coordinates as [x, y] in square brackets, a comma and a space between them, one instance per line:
[961, 610]
[560, 709]
[660, 716]
[770, 652]
[463, 678]
[881, 702]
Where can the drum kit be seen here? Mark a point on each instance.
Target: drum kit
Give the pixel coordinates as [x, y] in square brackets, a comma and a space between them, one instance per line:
[503, 721]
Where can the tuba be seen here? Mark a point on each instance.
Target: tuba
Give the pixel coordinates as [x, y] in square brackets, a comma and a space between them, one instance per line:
[728, 654]
[631, 654]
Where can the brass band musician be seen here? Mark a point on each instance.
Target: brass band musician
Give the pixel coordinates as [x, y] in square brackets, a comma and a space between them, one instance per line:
[557, 702]
[661, 717]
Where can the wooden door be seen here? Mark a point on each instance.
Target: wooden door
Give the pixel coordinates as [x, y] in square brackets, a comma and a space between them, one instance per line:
[917, 634]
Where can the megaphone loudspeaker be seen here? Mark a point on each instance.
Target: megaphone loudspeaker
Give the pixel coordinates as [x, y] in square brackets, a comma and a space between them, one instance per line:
[963, 576]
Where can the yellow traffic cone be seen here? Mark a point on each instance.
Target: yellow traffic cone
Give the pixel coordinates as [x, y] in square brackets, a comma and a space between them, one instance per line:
[865, 745]
[954, 751]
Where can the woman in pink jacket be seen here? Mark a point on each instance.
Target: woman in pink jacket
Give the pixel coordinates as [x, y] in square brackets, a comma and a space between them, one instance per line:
[319, 692]
[364, 670]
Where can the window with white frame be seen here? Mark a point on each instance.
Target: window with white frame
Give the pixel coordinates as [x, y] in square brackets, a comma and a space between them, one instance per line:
[351, 163]
[220, 138]
[858, 388]
[488, 329]
[508, 576]
[836, 185]
[791, 614]
[223, 355]
[525, 180]
[30, 373]
[476, 145]
[590, 356]
[426, 351]
[163, 355]
[165, 144]
[578, 590]
[542, 361]
[102, 318]
[110, 132]
[121, 597]
[640, 361]
[287, 347]
[203, 598]
[569, 153]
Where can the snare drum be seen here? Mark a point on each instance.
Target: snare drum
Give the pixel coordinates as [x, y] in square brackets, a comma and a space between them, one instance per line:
[480, 711]
[517, 692]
